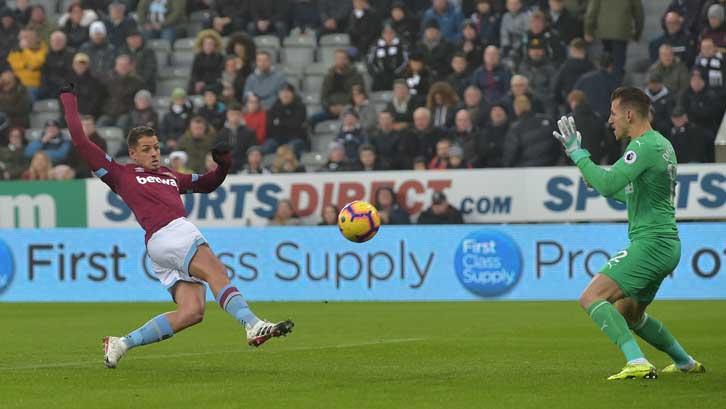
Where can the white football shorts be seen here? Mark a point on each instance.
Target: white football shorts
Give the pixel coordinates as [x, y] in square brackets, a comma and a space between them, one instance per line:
[171, 250]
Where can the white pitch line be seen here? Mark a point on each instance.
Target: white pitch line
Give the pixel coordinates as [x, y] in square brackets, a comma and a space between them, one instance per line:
[188, 354]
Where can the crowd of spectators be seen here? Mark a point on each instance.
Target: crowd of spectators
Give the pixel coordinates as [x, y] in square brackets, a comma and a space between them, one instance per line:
[473, 83]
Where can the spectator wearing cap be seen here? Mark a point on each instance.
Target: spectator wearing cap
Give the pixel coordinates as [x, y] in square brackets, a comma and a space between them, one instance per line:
[540, 71]
[716, 27]
[417, 76]
[40, 24]
[571, 70]
[266, 80]
[91, 91]
[196, 142]
[119, 25]
[178, 162]
[562, 22]
[368, 160]
[351, 134]
[213, 110]
[529, 141]
[615, 24]
[253, 165]
[334, 15]
[662, 102]
[229, 16]
[364, 26]
[208, 61]
[121, 88]
[404, 23]
[385, 140]
[389, 210]
[14, 100]
[540, 36]
[75, 160]
[336, 161]
[100, 52]
[465, 136]
[710, 62]
[460, 77]
[387, 59]
[255, 116]
[27, 60]
[239, 136]
[142, 58]
[12, 160]
[57, 68]
[176, 120]
[673, 72]
[599, 84]
[675, 35]
[268, 17]
[287, 122]
[492, 77]
[9, 30]
[470, 44]
[515, 23]
[440, 212]
[436, 50]
[336, 88]
[456, 159]
[162, 18]
[491, 141]
[52, 142]
[441, 156]
[448, 18]
[703, 105]
[689, 141]
[73, 26]
[592, 127]
[487, 21]
[143, 113]
[367, 112]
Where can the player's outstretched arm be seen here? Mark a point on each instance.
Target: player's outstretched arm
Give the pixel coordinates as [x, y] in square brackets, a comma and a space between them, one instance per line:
[98, 160]
[607, 183]
[210, 181]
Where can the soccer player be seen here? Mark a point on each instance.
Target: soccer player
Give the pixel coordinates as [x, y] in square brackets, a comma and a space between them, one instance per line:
[644, 178]
[182, 259]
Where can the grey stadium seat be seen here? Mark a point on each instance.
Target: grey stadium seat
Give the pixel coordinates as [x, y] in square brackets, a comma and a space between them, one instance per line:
[46, 105]
[37, 119]
[319, 143]
[267, 41]
[183, 58]
[162, 102]
[304, 41]
[381, 96]
[326, 55]
[313, 160]
[166, 86]
[186, 43]
[316, 69]
[33, 133]
[175, 72]
[114, 138]
[327, 127]
[338, 40]
[312, 83]
[297, 56]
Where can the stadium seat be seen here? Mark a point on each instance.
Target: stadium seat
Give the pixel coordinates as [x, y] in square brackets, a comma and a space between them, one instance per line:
[379, 106]
[381, 96]
[175, 72]
[161, 102]
[182, 58]
[326, 55]
[327, 127]
[114, 138]
[33, 133]
[46, 105]
[267, 41]
[312, 83]
[194, 27]
[197, 100]
[166, 86]
[201, 16]
[186, 43]
[37, 119]
[162, 49]
[319, 143]
[299, 41]
[295, 80]
[316, 69]
[268, 160]
[297, 56]
[311, 98]
[337, 40]
[312, 160]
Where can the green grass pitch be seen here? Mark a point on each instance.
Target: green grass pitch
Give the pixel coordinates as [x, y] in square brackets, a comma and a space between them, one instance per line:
[353, 355]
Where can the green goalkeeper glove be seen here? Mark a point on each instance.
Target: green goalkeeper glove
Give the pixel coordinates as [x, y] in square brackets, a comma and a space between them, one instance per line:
[570, 139]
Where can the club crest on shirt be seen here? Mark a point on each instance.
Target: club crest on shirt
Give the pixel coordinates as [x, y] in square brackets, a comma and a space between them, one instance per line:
[630, 157]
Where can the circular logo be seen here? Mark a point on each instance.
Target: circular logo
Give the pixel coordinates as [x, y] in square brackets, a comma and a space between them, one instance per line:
[488, 263]
[630, 157]
[7, 266]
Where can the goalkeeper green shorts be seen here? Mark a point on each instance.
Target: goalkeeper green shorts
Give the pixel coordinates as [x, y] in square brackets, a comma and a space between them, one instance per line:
[640, 269]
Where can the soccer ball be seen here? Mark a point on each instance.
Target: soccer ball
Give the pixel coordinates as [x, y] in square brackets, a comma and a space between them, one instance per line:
[359, 221]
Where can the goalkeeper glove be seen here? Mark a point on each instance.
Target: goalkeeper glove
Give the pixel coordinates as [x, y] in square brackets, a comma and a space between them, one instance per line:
[570, 139]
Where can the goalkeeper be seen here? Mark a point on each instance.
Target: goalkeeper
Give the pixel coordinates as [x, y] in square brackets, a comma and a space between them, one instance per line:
[644, 178]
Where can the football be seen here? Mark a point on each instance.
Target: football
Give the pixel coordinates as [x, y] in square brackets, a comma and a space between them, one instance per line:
[359, 221]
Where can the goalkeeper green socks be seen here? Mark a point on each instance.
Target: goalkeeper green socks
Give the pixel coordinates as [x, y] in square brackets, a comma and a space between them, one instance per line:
[609, 320]
[654, 333]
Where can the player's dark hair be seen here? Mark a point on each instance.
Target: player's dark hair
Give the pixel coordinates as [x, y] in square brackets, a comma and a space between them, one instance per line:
[634, 99]
[137, 133]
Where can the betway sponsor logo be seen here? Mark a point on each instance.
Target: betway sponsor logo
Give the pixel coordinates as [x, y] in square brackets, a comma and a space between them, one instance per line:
[155, 179]
[27, 211]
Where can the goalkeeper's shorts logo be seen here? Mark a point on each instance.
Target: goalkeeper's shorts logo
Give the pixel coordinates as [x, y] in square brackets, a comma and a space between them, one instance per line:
[488, 263]
[7, 266]
[630, 157]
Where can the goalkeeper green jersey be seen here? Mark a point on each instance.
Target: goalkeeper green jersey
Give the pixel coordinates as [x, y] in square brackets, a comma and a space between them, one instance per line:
[644, 178]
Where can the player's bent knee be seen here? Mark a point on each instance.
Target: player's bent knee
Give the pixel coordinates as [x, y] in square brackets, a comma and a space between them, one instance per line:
[193, 316]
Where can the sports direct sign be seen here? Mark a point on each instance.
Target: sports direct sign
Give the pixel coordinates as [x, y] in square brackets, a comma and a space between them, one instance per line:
[483, 196]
